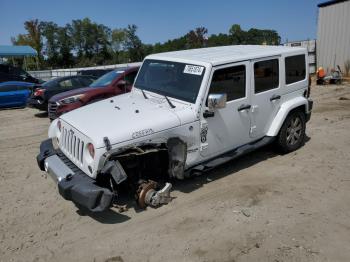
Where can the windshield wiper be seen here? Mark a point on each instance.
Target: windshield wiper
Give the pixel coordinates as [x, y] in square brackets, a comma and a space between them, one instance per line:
[169, 102]
[144, 94]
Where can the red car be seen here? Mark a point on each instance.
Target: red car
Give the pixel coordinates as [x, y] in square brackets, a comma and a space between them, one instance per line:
[116, 82]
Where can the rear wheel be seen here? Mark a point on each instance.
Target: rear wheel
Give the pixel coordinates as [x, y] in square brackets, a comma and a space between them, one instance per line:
[292, 133]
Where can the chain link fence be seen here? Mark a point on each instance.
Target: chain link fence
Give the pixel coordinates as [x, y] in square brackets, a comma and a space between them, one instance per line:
[49, 74]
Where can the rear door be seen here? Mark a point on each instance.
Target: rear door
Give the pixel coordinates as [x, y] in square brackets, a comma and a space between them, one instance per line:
[23, 93]
[266, 94]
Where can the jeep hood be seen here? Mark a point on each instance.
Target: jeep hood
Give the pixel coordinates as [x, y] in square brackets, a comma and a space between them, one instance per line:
[122, 118]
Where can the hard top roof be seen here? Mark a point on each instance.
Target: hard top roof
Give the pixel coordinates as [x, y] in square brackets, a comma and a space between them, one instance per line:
[226, 54]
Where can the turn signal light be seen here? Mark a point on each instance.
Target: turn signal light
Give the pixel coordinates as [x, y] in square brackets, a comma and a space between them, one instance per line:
[59, 125]
[91, 150]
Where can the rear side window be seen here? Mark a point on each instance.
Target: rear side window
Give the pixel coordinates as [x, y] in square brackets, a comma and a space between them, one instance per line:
[229, 80]
[85, 81]
[266, 75]
[66, 83]
[295, 68]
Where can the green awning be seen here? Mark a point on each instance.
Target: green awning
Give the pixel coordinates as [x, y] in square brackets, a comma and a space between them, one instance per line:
[16, 50]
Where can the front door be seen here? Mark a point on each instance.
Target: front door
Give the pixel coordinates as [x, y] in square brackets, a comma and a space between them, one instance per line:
[266, 94]
[229, 127]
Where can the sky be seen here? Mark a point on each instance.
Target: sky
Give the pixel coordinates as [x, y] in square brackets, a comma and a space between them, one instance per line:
[160, 20]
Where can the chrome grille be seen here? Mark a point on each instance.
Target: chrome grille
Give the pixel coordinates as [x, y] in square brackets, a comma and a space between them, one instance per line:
[52, 110]
[72, 145]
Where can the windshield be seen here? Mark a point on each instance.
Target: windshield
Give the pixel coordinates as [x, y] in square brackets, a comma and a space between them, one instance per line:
[177, 80]
[106, 79]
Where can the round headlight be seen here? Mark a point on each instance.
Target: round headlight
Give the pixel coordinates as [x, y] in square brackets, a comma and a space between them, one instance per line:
[91, 150]
[59, 125]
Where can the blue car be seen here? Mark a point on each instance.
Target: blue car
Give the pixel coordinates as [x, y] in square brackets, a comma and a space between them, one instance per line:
[14, 94]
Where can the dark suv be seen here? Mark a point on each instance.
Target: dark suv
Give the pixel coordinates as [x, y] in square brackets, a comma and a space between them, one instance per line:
[42, 93]
[11, 73]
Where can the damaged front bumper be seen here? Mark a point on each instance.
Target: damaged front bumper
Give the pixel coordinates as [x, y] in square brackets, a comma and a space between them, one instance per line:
[73, 184]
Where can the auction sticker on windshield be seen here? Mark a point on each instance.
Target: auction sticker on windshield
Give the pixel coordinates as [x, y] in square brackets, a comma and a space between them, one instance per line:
[194, 70]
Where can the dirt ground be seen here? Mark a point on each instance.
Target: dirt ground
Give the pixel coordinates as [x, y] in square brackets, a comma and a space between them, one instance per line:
[262, 207]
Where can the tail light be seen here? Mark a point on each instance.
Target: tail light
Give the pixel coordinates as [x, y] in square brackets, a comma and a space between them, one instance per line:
[39, 92]
[59, 125]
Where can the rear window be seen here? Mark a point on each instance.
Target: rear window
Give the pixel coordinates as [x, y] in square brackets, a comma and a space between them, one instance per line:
[106, 79]
[295, 68]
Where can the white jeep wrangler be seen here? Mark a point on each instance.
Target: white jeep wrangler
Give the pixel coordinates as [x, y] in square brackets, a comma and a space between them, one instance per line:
[188, 112]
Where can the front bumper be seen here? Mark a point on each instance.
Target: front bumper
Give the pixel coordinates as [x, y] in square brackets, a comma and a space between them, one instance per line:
[73, 184]
[37, 103]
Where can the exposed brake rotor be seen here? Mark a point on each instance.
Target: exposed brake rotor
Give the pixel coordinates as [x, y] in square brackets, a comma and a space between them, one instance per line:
[144, 189]
[147, 195]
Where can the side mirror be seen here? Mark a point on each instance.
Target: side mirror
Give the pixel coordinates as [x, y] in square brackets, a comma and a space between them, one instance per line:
[216, 101]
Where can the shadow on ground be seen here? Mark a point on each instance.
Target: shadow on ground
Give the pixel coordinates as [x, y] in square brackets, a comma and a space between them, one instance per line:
[190, 184]
[108, 217]
[231, 167]
[43, 114]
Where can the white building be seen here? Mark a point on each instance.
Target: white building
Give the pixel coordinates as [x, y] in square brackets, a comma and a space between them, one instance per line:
[333, 34]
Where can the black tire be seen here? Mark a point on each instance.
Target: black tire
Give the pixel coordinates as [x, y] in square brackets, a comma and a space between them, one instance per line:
[292, 133]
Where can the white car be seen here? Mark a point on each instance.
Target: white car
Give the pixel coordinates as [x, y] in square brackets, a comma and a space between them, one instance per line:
[188, 112]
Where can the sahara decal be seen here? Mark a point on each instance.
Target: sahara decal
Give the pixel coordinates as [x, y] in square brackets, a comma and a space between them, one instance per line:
[144, 132]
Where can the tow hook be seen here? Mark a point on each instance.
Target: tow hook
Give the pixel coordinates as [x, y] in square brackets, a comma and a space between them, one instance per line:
[147, 195]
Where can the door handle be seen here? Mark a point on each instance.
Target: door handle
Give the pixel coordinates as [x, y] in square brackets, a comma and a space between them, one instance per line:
[275, 97]
[243, 107]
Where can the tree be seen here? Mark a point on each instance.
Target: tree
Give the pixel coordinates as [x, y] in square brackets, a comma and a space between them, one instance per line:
[197, 38]
[238, 36]
[117, 43]
[33, 38]
[118, 39]
[86, 43]
[219, 40]
[49, 32]
[133, 44]
[34, 31]
[65, 45]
